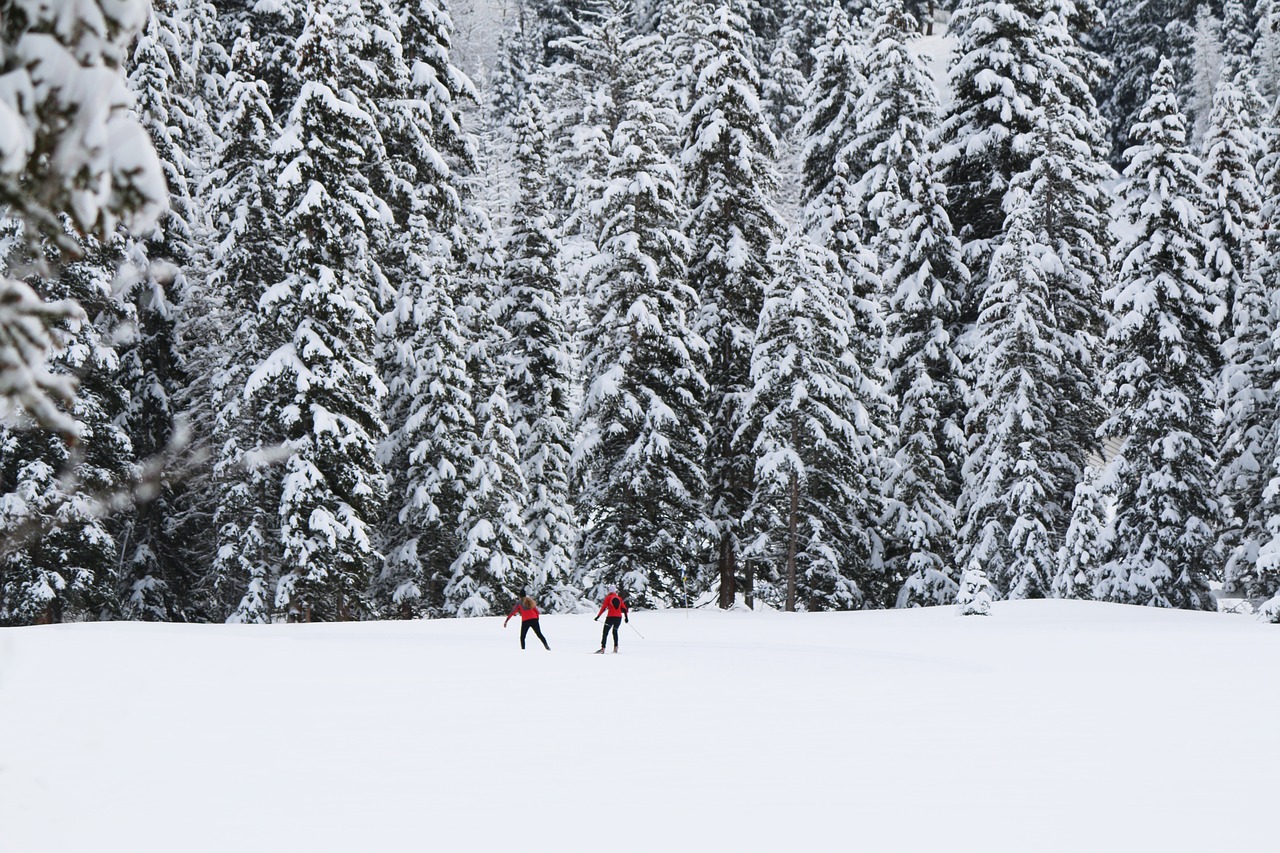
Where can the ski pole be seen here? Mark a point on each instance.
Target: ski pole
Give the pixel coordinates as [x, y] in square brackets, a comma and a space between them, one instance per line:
[633, 628]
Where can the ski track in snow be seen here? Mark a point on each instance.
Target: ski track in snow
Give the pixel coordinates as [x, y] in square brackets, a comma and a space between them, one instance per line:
[1048, 726]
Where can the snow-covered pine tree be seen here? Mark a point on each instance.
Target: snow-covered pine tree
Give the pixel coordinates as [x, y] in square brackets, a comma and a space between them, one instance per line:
[1011, 516]
[812, 516]
[1206, 71]
[640, 456]
[59, 557]
[1066, 183]
[1232, 147]
[894, 116]
[1009, 57]
[681, 32]
[1261, 577]
[1162, 373]
[923, 281]
[539, 365]
[729, 184]
[246, 260]
[323, 374]
[1084, 548]
[493, 565]
[1266, 50]
[783, 85]
[829, 123]
[160, 563]
[974, 596]
[831, 215]
[1135, 39]
[74, 150]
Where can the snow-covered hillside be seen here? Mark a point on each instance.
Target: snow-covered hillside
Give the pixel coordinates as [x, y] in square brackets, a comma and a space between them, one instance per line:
[1049, 726]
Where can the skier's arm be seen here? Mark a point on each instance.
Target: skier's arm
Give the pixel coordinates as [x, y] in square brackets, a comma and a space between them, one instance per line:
[602, 609]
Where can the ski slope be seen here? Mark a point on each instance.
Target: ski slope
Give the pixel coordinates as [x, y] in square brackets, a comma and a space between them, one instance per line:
[1047, 726]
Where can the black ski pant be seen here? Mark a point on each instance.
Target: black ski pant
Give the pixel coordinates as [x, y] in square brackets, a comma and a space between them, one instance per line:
[610, 622]
[532, 625]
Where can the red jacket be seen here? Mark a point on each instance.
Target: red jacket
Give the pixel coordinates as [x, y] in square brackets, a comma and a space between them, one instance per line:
[525, 615]
[614, 604]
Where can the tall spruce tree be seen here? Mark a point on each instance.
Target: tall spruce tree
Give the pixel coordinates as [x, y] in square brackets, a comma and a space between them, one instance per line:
[60, 560]
[923, 281]
[812, 515]
[323, 374]
[1012, 517]
[244, 205]
[1135, 38]
[729, 184]
[1233, 145]
[894, 116]
[640, 456]
[1066, 184]
[539, 364]
[1010, 55]
[1162, 373]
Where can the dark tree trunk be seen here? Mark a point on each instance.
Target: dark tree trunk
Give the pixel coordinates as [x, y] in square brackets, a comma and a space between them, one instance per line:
[792, 522]
[728, 567]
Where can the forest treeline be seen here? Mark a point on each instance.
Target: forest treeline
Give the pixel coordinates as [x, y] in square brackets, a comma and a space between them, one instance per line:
[716, 303]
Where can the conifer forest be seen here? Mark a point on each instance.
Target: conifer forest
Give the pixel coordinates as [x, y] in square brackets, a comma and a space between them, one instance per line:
[784, 303]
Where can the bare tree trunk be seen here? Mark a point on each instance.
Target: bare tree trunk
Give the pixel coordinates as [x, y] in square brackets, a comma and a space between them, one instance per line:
[728, 585]
[792, 523]
[928, 27]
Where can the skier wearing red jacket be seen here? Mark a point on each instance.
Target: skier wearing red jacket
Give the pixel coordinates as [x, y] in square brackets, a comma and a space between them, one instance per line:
[617, 611]
[527, 609]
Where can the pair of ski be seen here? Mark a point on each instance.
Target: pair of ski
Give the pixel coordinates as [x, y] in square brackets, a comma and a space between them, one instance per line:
[601, 651]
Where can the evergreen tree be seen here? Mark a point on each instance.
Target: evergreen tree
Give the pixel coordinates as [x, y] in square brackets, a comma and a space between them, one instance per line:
[1135, 39]
[73, 150]
[1232, 147]
[1012, 518]
[1206, 71]
[812, 511]
[829, 123]
[1252, 434]
[1162, 372]
[1010, 55]
[492, 566]
[923, 281]
[323, 376]
[1084, 548]
[245, 208]
[894, 116]
[1266, 50]
[783, 85]
[428, 453]
[539, 365]
[63, 563]
[158, 565]
[643, 438]
[729, 183]
[974, 597]
[1066, 186]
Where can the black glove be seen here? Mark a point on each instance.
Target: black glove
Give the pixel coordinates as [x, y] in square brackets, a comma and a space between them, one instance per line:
[626, 619]
[597, 619]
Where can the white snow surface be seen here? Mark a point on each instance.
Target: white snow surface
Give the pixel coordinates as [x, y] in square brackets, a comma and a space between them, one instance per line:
[1046, 726]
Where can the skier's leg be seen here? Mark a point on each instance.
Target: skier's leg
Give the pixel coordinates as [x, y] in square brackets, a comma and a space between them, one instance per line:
[524, 630]
[604, 635]
[537, 630]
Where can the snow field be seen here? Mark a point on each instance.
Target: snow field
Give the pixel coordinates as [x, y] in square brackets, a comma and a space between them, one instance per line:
[1049, 726]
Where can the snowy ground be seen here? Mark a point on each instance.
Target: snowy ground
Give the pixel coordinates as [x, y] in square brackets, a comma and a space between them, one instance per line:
[1048, 726]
